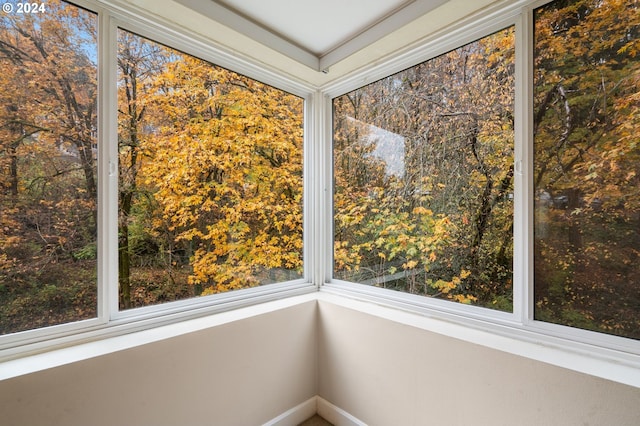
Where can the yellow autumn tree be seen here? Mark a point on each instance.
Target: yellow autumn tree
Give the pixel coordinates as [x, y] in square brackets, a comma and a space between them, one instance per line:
[223, 161]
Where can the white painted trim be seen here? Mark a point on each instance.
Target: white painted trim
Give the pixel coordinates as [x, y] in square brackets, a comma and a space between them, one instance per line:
[431, 306]
[80, 352]
[323, 61]
[386, 26]
[325, 158]
[138, 20]
[524, 211]
[472, 28]
[336, 415]
[229, 18]
[295, 415]
[176, 313]
[108, 176]
[584, 358]
[309, 191]
[315, 405]
[313, 200]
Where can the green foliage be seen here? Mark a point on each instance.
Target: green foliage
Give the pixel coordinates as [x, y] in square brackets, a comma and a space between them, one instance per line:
[90, 251]
[51, 296]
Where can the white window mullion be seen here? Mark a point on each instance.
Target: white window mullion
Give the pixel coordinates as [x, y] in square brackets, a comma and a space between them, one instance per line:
[310, 204]
[523, 179]
[325, 138]
[319, 167]
[108, 170]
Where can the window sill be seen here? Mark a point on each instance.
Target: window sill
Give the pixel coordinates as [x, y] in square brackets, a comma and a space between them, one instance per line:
[617, 366]
[608, 364]
[122, 335]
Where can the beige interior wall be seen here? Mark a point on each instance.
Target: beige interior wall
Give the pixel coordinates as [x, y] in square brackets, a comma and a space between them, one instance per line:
[386, 373]
[242, 373]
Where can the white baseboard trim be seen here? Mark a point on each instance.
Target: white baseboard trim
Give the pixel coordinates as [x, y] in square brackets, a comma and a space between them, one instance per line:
[295, 415]
[336, 415]
[319, 405]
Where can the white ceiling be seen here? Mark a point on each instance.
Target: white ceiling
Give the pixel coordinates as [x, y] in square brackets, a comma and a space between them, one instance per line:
[315, 33]
[317, 27]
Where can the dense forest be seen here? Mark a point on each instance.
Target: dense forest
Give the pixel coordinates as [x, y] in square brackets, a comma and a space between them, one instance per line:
[424, 172]
[424, 177]
[587, 165]
[48, 153]
[209, 174]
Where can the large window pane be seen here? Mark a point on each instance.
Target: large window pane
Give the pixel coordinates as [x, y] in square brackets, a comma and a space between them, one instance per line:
[48, 182]
[423, 164]
[587, 165]
[210, 192]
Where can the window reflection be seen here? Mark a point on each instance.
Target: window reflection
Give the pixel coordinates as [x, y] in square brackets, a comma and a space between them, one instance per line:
[423, 168]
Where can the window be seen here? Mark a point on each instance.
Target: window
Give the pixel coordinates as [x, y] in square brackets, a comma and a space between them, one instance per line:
[587, 166]
[48, 173]
[210, 190]
[424, 190]
[209, 175]
[189, 181]
[423, 169]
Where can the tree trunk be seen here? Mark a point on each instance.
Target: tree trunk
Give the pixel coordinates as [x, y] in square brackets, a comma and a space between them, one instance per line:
[124, 256]
[13, 185]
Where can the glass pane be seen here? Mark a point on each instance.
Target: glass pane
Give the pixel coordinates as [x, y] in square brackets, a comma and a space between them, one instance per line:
[423, 169]
[210, 196]
[48, 151]
[587, 165]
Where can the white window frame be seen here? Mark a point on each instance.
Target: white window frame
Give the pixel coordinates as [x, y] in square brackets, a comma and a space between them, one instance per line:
[110, 320]
[520, 323]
